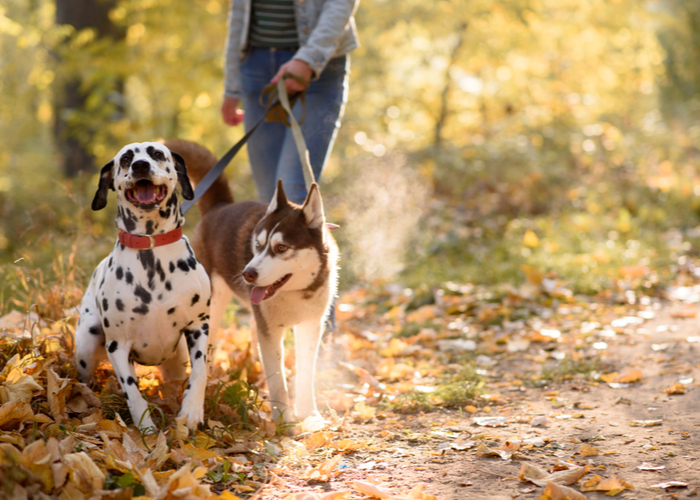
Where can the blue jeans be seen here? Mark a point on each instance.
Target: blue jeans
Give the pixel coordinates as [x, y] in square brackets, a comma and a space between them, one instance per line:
[271, 149]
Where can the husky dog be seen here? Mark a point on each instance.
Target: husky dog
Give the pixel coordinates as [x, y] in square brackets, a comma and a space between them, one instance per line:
[280, 261]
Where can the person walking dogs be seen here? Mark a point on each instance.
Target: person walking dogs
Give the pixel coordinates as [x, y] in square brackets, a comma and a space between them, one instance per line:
[310, 39]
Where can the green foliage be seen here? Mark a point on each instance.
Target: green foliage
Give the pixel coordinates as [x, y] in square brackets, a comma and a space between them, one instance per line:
[572, 120]
[127, 480]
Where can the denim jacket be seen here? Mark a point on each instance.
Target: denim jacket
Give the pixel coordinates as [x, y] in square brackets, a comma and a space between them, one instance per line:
[326, 29]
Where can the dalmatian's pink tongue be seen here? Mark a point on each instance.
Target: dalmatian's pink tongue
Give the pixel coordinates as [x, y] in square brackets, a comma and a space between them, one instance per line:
[145, 192]
[257, 294]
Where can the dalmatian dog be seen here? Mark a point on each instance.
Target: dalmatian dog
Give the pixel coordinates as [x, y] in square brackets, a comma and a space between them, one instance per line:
[148, 301]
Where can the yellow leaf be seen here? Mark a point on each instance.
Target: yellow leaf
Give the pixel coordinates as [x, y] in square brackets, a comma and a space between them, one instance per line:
[371, 489]
[83, 472]
[532, 274]
[366, 413]
[588, 451]
[558, 492]
[675, 389]
[530, 239]
[13, 413]
[627, 377]
[22, 389]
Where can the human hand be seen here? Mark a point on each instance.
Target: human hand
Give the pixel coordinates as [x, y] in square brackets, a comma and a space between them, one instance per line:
[230, 112]
[296, 67]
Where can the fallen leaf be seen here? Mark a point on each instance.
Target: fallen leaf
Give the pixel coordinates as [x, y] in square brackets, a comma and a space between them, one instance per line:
[676, 388]
[558, 492]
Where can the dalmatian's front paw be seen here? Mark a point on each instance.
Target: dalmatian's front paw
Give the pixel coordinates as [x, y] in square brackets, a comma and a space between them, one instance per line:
[193, 411]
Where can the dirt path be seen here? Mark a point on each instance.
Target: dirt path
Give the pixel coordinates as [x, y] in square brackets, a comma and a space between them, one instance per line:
[614, 430]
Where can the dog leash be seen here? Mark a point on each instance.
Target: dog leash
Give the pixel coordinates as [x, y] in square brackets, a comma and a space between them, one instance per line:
[272, 113]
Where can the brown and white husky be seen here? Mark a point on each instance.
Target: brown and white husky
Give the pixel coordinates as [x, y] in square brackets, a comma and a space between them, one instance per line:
[280, 261]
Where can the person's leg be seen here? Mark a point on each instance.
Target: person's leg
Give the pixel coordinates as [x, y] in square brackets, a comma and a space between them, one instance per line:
[263, 146]
[325, 102]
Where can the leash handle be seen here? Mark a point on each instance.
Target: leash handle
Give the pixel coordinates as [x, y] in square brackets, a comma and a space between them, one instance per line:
[296, 131]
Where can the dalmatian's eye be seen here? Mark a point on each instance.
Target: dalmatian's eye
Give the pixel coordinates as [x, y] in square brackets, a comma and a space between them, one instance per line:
[125, 161]
[281, 248]
[158, 155]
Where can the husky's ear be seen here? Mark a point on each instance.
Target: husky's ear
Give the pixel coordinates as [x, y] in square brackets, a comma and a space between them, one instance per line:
[279, 199]
[181, 169]
[106, 183]
[313, 208]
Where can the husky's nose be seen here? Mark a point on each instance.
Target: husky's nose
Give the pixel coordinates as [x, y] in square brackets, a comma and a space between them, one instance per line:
[140, 168]
[250, 274]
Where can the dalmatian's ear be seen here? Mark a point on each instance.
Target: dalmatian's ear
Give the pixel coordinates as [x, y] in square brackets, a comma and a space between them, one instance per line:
[106, 183]
[181, 169]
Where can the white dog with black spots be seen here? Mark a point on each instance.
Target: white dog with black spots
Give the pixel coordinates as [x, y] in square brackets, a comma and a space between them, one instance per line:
[148, 301]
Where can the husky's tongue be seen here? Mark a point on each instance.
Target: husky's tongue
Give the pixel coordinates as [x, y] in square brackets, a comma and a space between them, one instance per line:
[145, 192]
[257, 294]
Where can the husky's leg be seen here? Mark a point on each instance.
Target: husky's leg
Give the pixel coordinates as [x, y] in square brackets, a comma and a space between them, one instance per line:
[175, 368]
[307, 336]
[272, 356]
[221, 295]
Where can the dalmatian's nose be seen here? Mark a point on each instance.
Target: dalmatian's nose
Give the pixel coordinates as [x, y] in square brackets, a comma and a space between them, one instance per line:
[140, 168]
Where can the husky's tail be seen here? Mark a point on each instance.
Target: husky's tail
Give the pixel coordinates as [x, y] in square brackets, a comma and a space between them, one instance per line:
[199, 161]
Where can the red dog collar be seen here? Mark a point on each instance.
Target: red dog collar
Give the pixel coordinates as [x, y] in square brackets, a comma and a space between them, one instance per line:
[148, 242]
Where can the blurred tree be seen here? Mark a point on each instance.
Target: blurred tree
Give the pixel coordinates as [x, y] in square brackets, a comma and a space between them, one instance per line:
[72, 89]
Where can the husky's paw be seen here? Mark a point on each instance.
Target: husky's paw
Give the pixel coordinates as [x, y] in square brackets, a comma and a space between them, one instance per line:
[313, 423]
[193, 412]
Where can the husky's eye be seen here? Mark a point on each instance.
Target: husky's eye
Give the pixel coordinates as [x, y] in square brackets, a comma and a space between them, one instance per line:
[281, 248]
[257, 245]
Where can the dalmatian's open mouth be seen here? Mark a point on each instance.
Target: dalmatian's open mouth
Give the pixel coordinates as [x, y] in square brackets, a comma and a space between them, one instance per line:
[145, 194]
[260, 293]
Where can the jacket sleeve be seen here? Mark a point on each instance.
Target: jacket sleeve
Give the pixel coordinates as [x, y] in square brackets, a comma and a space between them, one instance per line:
[232, 64]
[323, 40]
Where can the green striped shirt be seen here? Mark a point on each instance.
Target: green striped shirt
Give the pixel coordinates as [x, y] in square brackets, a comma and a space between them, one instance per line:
[273, 24]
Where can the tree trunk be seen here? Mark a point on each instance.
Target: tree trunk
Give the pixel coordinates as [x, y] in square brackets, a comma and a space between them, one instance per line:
[69, 92]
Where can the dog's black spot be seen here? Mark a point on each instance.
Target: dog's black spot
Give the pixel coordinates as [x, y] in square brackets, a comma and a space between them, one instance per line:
[138, 150]
[197, 334]
[121, 246]
[149, 227]
[208, 302]
[144, 345]
[121, 379]
[106, 323]
[113, 345]
[126, 396]
[95, 330]
[198, 355]
[174, 324]
[205, 326]
[159, 270]
[126, 159]
[201, 315]
[129, 278]
[105, 304]
[119, 304]
[172, 267]
[102, 283]
[142, 294]
[109, 264]
[182, 265]
[172, 201]
[129, 220]
[168, 286]
[130, 381]
[195, 298]
[83, 364]
[142, 309]
[165, 214]
[192, 262]
[120, 272]
[171, 310]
